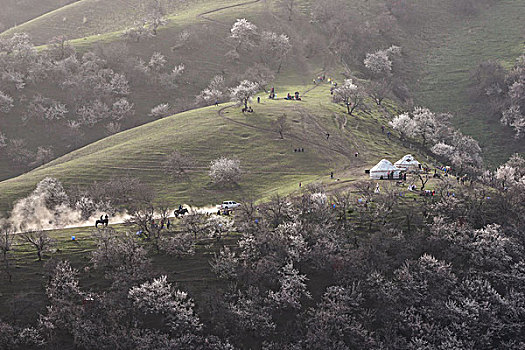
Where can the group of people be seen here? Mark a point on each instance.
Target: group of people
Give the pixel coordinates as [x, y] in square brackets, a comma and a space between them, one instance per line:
[295, 97]
[160, 225]
[248, 109]
[298, 150]
[322, 78]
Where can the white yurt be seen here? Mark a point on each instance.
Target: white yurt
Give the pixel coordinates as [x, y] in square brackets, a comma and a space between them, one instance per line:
[408, 163]
[383, 169]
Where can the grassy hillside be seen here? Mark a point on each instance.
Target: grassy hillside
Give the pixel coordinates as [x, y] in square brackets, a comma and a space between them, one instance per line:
[441, 48]
[270, 164]
[93, 17]
[203, 56]
[17, 12]
[442, 79]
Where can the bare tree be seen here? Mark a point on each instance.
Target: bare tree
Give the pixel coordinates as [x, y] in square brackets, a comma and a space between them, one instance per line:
[6, 246]
[123, 260]
[137, 32]
[39, 240]
[176, 164]
[288, 6]
[156, 16]
[274, 48]
[60, 48]
[18, 152]
[259, 74]
[379, 90]
[424, 179]
[194, 223]
[43, 155]
[281, 125]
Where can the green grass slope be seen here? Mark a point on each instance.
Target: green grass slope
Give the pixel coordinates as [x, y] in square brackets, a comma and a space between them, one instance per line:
[17, 12]
[443, 46]
[94, 17]
[203, 57]
[270, 164]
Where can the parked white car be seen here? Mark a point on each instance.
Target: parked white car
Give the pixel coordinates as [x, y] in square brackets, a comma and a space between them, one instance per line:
[230, 205]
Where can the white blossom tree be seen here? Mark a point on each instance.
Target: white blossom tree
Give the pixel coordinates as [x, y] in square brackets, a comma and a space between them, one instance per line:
[225, 171]
[463, 152]
[160, 111]
[178, 245]
[380, 62]
[43, 155]
[251, 313]
[214, 92]
[243, 92]
[514, 118]
[225, 264]
[46, 109]
[243, 33]
[157, 62]
[158, 297]
[426, 125]
[292, 288]
[421, 123]
[6, 102]
[3, 140]
[123, 260]
[350, 94]
[121, 109]
[94, 112]
[217, 226]
[170, 80]
[507, 175]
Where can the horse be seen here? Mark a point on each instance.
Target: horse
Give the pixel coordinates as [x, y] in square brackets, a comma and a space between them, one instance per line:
[180, 212]
[103, 222]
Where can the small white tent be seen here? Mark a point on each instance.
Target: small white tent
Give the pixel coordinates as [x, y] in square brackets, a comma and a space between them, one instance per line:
[383, 169]
[408, 163]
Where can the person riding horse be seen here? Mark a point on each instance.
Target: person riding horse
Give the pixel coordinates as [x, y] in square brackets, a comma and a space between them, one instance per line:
[103, 221]
[180, 212]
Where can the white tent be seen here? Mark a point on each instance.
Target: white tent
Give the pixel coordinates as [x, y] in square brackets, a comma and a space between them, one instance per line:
[408, 163]
[383, 169]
